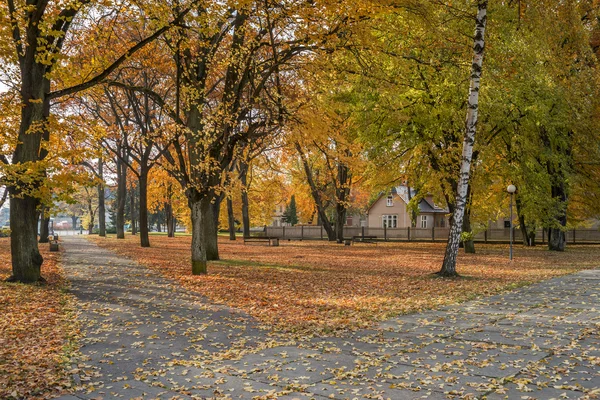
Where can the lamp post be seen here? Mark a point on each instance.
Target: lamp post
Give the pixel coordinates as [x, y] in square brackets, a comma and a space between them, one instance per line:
[511, 189]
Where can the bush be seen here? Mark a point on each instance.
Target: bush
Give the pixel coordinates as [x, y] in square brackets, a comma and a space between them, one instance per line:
[4, 232]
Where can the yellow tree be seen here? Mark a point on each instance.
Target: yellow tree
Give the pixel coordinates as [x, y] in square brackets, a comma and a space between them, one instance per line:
[229, 68]
[34, 35]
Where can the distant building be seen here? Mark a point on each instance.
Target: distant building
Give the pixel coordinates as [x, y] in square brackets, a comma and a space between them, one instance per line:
[278, 215]
[391, 210]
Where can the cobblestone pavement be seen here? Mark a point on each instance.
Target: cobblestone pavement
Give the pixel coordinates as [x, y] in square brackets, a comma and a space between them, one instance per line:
[146, 338]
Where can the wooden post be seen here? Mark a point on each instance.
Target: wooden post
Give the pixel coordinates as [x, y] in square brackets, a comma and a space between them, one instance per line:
[363, 233]
[574, 240]
[321, 232]
[408, 233]
[485, 235]
[385, 232]
[433, 233]
[301, 232]
[283, 235]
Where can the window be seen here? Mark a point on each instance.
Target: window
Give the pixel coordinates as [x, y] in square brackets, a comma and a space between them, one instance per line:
[443, 222]
[390, 201]
[423, 221]
[507, 224]
[389, 221]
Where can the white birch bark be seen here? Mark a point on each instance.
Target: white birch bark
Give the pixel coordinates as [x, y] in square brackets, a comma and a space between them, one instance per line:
[449, 265]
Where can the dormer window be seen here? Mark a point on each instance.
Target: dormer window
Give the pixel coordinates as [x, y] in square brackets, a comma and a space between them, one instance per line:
[390, 201]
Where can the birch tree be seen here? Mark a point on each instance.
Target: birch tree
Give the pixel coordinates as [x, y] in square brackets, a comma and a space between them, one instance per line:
[449, 264]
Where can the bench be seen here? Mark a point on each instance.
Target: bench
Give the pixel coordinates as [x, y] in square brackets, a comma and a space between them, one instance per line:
[364, 239]
[53, 240]
[272, 241]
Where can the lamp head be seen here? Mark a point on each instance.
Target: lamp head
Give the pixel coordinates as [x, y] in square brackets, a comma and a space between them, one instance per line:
[511, 189]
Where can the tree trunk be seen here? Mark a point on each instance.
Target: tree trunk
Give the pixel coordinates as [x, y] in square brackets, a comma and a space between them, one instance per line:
[449, 264]
[316, 196]
[170, 220]
[200, 209]
[121, 196]
[132, 213]
[469, 245]
[143, 184]
[74, 219]
[4, 197]
[44, 226]
[26, 258]
[528, 233]
[342, 192]
[466, 227]
[557, 240]
[230, 219]
[91, 214]
[101, 200]
[340, 220]
[245, 201]
[211, 225]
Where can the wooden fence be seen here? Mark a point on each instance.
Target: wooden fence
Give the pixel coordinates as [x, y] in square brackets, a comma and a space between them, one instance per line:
[311, 232]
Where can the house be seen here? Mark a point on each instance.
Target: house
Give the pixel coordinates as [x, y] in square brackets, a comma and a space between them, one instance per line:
[278, 215]
[391, 210]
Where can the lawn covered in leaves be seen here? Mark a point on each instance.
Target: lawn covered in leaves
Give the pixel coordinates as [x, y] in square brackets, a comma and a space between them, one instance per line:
[322, 286]
[34, 332]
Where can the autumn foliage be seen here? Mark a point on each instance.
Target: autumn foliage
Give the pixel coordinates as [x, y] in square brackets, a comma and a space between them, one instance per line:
[313, 287]
[34, 333]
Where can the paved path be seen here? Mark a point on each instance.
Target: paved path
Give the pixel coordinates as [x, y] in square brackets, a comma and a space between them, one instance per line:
[148, 339]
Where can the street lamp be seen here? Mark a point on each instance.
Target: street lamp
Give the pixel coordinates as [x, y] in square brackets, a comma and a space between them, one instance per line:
[511, 189]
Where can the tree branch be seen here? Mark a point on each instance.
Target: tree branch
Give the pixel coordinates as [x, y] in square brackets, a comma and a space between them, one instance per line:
[111, 68]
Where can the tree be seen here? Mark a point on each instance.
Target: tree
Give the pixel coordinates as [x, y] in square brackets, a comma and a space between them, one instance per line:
[39, 32]
[290, 215]
[230, 80]
[449, 264]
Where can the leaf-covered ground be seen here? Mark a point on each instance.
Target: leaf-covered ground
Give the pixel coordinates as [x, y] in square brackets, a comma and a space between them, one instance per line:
[320, 286]
[34, 332]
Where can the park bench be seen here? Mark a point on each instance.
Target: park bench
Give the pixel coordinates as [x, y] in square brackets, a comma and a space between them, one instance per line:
[53, 240]
[364, 239]
[272, 241]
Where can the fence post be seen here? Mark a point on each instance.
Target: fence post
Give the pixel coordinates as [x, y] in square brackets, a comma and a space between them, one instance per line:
[433, 233]
[321, 232]
[385, 232]
[283, 235]
[485, 236]
[301, 232]
[574, 241]
[408, 233]
[363, 233]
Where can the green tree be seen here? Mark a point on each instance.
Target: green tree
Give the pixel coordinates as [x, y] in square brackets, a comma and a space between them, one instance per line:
[290, 215]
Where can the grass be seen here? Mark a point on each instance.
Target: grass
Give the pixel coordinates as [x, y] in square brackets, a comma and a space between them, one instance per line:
[35, 332]
[320, 286]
